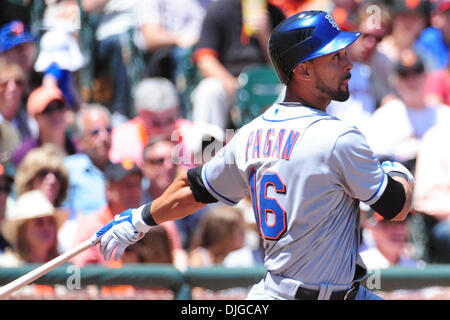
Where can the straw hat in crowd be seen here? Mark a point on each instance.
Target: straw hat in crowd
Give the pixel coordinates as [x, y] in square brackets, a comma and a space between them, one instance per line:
[30, 205]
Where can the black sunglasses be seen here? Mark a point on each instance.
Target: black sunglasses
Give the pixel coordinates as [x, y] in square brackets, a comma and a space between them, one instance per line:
[405, 73]
[97, 131]
[44, 172]
[54, 106]
[157, 161]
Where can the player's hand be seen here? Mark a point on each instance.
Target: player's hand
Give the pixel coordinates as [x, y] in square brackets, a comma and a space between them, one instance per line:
[125, 229]
[394, 168]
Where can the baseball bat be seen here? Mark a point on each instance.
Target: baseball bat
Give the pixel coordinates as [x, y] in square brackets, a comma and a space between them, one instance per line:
[34, 274]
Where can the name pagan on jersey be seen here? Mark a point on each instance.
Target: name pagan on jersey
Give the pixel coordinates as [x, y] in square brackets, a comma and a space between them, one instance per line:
[270, 143]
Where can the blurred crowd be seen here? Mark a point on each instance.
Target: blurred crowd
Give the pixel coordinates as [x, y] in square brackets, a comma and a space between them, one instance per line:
[103, 102]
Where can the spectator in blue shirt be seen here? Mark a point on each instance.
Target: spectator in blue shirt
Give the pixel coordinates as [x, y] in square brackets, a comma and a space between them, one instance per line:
[87, 182]
[435, 39]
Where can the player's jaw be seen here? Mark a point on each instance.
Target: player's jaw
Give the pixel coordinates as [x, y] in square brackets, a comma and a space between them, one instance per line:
[341, 93]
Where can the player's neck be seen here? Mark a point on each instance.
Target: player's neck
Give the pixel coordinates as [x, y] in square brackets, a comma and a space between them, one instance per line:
[313, 102]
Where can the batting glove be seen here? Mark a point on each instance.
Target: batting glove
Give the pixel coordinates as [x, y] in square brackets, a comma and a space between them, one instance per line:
[125, 229]
[394, 168]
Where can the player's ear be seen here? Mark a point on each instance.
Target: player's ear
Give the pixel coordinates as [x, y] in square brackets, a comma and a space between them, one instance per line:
[302, 71]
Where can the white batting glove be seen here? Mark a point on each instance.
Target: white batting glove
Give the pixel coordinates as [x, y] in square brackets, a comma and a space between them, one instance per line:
[125, 229]
[394, 168]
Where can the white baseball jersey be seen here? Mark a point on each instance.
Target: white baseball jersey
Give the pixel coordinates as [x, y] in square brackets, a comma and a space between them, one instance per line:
[306, 172]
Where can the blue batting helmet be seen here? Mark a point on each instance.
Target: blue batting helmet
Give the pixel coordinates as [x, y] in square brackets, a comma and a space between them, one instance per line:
[304, 36]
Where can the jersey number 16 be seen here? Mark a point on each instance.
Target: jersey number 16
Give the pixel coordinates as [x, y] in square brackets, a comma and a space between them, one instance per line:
[269, 214]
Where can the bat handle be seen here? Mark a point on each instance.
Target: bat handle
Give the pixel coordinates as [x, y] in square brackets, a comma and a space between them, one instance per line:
[31, 276]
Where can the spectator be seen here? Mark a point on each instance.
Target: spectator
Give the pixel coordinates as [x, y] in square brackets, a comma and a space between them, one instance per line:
[435, 39]
[167, 28]
[12, 90]
[115, 19]
[437, 87]
[46, 104]
[86, 169]
[432, 190]
[157, 106]
[159, 171]
[223, 51]
[221, 230]
[158, 114]
[87, 193]
[59, 58]
[371, 68]
[32, 230]
[409, 19]
[17, 45]
[123, 186]
[6, 184]
[405, 120]
[61, 14]
[386, 243]
[43, 169]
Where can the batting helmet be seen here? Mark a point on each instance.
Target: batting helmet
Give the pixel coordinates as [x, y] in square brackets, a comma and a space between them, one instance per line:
[304, 36]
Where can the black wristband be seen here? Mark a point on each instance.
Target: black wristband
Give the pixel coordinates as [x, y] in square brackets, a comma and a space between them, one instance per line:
[147, 215]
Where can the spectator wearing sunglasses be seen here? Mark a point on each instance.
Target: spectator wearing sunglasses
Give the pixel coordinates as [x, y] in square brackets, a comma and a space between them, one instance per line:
[159, 170]
[158, 114]
[43, 169]
[86, 193]
[47, 106]
[86, 169]
[371, 68]
[406, 119]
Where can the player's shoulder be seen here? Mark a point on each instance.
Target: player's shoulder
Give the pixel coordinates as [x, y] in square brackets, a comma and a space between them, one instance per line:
[336, 127]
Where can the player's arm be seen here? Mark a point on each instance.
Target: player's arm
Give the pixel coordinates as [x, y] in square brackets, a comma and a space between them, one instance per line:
[184, 196]
[175, 203]
[387, 189]
[396, 201]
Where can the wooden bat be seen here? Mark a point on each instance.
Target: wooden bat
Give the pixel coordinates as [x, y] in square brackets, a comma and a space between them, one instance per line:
[15, 285]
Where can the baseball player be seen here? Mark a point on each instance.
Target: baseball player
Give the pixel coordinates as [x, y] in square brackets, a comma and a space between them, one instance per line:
[306, 173]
